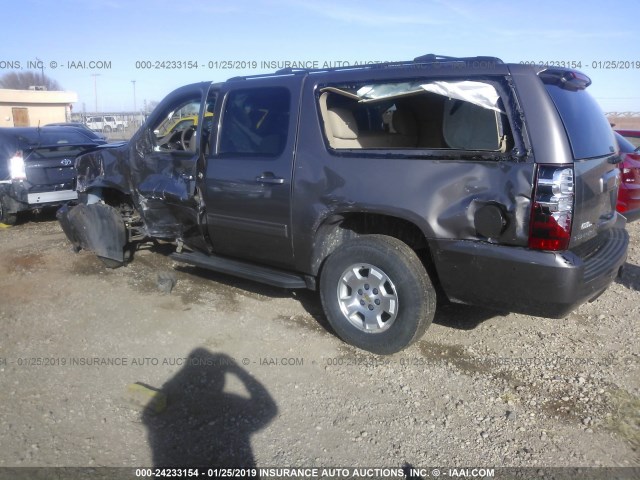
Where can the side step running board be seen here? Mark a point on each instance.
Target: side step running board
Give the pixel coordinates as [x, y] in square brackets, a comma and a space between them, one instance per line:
[258, 273]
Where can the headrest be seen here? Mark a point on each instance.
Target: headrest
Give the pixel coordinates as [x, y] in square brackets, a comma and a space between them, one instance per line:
[342, 123]
[470, 127]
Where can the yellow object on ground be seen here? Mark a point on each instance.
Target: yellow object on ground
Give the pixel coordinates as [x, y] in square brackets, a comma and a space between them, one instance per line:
[151, 399]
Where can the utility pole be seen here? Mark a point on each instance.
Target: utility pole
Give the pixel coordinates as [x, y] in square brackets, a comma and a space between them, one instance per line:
[95, 90]
[135, 112]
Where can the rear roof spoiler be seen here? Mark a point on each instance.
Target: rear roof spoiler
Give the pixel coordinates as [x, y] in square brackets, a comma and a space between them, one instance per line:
[565, 78]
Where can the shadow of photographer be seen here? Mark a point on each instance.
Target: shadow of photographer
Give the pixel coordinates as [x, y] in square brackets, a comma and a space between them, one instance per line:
[203, 425]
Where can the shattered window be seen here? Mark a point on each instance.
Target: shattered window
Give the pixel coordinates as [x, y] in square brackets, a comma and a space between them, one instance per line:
[460, 115]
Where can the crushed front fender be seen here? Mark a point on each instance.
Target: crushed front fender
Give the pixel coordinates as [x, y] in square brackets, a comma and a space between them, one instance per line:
[97, 228]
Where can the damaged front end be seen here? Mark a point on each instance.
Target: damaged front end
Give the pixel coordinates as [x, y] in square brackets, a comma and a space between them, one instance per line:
[98, 228]
[140, 189]
[96, 223]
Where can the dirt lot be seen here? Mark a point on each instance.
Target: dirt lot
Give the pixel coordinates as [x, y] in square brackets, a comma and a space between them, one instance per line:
[625, 123]
[253, 376]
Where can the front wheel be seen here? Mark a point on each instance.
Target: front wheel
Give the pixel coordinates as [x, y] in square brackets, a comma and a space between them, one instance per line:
[377, 294]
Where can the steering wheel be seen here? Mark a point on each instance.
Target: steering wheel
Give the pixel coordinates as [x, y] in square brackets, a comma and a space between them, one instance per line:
[187, 133]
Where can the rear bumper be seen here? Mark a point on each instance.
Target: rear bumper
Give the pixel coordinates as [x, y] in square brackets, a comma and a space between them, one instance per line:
[547, 284]
[22, 196]
[51, 197]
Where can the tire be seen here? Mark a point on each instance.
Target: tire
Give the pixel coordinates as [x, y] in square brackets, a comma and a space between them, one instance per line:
[6, 217]
[106, 129]
[376, 294]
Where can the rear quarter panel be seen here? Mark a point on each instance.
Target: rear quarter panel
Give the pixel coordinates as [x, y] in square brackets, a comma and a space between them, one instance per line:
[595, 179]
[439, 195]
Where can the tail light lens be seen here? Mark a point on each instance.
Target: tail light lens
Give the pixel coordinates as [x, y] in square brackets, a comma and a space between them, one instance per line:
[628, 175]
[552, 210]
[630, 168]
[16, 167]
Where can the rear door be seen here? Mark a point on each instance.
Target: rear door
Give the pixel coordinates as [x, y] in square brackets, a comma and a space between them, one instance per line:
[596, 176]
[247, 184]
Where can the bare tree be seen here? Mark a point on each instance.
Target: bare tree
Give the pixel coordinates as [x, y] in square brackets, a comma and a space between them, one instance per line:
[24, 80]
[151, 105]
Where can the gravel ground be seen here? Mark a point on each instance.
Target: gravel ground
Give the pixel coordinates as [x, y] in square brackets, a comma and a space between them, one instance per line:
[252, 375]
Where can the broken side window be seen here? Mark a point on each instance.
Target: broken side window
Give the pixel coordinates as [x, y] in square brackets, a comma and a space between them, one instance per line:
[177, 126]
[460, 115]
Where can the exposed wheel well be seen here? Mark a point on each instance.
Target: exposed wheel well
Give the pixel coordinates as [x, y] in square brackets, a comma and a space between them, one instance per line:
[340, 228]
[125, 206]
[116, 199]
[111, 196]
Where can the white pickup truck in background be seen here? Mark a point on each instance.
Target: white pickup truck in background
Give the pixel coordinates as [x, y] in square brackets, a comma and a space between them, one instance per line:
[106, 123]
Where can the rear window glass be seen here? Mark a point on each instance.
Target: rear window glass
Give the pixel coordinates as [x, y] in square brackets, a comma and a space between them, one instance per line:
[589, 131]
[54, 152]
[70, 136]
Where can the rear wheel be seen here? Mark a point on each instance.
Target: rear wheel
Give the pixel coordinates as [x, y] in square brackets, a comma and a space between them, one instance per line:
[376, 294]
[5, 216]
[106, 129]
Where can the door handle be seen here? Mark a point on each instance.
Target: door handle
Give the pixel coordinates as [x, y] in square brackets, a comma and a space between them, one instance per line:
[269, 178]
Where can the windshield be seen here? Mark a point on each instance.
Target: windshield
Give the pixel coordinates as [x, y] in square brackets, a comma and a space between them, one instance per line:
[179, 119]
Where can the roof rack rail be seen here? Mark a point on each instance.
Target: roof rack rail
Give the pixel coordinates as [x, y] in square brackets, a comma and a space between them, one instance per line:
[289, 71]
[429, 58]
[282, 71]
[432, 57]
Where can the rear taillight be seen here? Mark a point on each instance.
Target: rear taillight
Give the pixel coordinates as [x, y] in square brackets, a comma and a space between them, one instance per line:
[630, 168]
[628, 175]
[552, 209]
[17, 167]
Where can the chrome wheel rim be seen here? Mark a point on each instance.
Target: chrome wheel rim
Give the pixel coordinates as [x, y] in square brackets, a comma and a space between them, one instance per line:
[368, 298]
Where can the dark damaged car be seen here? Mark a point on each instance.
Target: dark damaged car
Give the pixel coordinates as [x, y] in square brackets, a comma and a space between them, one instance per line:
[491, 184]
[37, 167]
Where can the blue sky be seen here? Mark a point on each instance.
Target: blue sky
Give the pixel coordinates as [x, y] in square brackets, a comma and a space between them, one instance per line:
[122, 32]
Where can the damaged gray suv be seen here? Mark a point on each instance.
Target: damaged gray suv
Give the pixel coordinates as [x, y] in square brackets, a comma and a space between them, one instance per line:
[491, 184]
